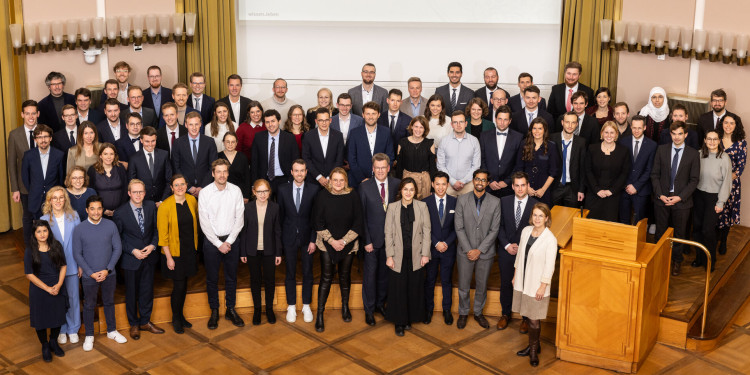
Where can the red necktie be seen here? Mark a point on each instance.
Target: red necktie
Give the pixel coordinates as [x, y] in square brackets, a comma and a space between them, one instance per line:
[171, 143]
[568, 105]
[382, 192]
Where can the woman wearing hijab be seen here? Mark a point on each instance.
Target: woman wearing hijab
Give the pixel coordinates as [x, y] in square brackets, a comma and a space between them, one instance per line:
[656, 113]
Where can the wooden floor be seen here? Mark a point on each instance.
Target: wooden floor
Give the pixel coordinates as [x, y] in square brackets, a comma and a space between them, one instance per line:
[286, 348]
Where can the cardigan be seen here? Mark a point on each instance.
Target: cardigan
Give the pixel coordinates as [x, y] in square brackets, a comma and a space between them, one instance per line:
[541, 262]
[420, 238]
[166, 223]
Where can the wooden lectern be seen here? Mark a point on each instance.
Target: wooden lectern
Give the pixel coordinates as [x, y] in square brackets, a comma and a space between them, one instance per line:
[613, 286]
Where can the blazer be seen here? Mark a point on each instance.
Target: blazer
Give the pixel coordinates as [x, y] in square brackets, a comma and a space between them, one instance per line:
[36, 183]
[168, 225]
[148, 115]
[312, 153]
[577, 161]
[406, 105]
[400, 129]
[163, 137]
[157, 186]
[589, 129]
[47, 113]
[445, 232]
[163, 124]
[686, 180]
[244, 102]
[207, 107]
[500, 166]
[148, 101]
[508, 232]
[541, 264]
[360, 157]
[705, 123]
[640, 173]
[693, 139]
[516, 104]
[373, 211]
[464, 95]
[105, 132]
[71, 221]
[271, 231]
[354, 122]
[286, 149]
[126, 148]
[132, 238]
[95, 116]
[520, 122]
[196, 173]
[296, 226]
[379, 95]
[477, 231]
[17, 146]
[420, 235]
[556, 104]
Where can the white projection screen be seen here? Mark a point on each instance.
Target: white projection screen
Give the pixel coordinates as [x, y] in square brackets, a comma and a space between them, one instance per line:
[324, 43]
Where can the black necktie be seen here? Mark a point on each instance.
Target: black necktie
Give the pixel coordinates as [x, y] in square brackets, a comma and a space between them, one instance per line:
[151, 163]
[272, 160]
[673, 171]
[492, 108]
[72, 138]
[392, 124]
[31, 139]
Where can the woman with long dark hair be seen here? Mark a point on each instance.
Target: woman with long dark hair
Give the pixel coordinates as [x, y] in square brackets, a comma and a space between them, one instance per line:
[732, 135]
[109, 178]
[220, 124]
[247, 130]
[440, 123]
[297, 124]
[539, 160]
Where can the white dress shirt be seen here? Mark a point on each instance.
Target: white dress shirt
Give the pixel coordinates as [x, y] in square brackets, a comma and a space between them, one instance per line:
[221, 212]
[501, 139]
[371, 137]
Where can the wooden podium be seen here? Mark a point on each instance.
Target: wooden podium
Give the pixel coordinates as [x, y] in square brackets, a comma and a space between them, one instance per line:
[613, 285]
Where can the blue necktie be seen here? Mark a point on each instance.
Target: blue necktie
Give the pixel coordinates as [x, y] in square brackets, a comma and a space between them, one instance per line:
[72, 139]
[441, 209]
[139, 210]
[518, 214]
[195, 151]
[297, 199]
[564, 178]
[673, 172]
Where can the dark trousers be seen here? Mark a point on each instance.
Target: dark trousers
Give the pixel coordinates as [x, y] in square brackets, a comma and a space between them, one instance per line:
[177, 299]
[680, 218]
[564, 195]
[704, 224]
[139, 293]
[213, 259]
[262, 271]
[290, 282]
[27, 218]
[506, 264]
[374, 279]
[635, 203]
[445, 262]
[90, 291]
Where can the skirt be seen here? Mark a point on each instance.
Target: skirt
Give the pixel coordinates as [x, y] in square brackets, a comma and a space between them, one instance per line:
[423, 183]
[529, 307]
[185, 265]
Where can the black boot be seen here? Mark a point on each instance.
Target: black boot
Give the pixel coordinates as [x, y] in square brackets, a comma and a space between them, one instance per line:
[723, 234]
[345, 285]
[213, 321]
[46, 354]
[55, 348]
[534, 344]
[270, 315]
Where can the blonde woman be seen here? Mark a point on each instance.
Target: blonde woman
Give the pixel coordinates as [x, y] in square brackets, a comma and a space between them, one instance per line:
[325, 100]
[607, 169]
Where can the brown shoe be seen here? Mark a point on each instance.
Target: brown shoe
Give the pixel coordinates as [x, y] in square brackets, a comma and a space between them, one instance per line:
[503, 322]
[524, 326]
[135, 333]
[152, 328]
[676, 268]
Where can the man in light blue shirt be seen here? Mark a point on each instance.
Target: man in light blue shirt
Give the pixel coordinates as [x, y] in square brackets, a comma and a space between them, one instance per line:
[459, 155]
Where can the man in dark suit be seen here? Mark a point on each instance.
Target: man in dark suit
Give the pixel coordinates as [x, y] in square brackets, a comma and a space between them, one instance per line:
[192, 155]
[127, 146]
[394, 119]
[156, 94]
[516, 102]
[41, 169]
[442, 208]
[679, 113]
[112, 128]
[560, 98]
[568, 190]
[455, 95]
[236, 103]
[638, 188]
[712, 119]
[500, 147]
[111, 91]
[152, 166]
[515, 211]
[84, 110]
[368, 91]
[365, 142]
[20, 140]
[588, 127]
[485, 93]
[136, 222]
[50, 108]
[167, 135]
[322, 149]
[273, 152]
[296, 200]
[522, 118]
[674, 177]
[180, 97]
[65, 138]
[135, 99]
[345, 120]
[198, 99]
[376, 193]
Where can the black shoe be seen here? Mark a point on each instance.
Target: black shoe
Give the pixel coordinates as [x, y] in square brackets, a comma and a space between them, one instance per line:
[676, 268]
[46, 354]
[256, 316]
[408, 327]
[55, 348]
[178, 327]
[482, 321]
[380, 310]
[319, 323]
[346, 314]
[461, 324]
[448, 317]
[369, 319]
[525, 351]
[213, 321]
[270, 316]
[186, 324]
[696, 263]
[234, 317]
[399, 330]
[427, 317]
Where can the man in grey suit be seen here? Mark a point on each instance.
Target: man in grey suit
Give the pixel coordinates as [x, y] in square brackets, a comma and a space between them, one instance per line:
[415, 104]
[135, 99]
[368, 91]
[477, 221]
[20, 140]
[455, 95]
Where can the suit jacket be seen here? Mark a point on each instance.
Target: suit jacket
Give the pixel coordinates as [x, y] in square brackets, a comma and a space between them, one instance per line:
[477, 231]
[520, 122]
[71, 221]
[157, 186]
[500, 166]
[244, 102]
[163, 138]
[105, 132]
[464, 95]
[38, 184]
[445, 232]
[125, 148]
[373, 211]
[196, 173]
[61, 141]
[312, 153]
[131, 236]
[47, 113]
[148, 115]
[360, 157]
[207, 107]
[399, 130]
[296, 226]
[271, 231]
[692, 140]
[406, 106]
[103, 98]
[705, 123]
[95, 116]
[17, 146]
[640, 173]
[163, 124]
[379, 95]
[589, 129]
[516, 104]
[420, 235]
[148, 101]
[686, 179]
[354, 122]
[509, 233]
[286, 148]
[577, 161]
[556, 104]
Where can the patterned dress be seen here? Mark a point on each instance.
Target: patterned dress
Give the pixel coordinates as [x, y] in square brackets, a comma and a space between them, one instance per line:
[731, 214]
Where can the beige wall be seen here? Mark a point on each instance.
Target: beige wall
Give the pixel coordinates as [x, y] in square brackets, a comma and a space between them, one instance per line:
[70, 63]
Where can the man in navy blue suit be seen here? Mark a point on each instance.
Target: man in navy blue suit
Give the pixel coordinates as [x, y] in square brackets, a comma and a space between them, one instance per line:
[111, 129]
[516, 102]
[152, 166]
[156, 95]
[365, 142]
[393, 118]
[83, 108]
[198, 99]
[41, 169]
[129, 145]
[568, 190]
[192, 155]
[638, 188]
[442, 208]
[345, 121]
[322, 148]
[273, 153]
[136, 222]
[515, 211]
[693, 139]
[50, 107]
[499, 150]
[524, 117]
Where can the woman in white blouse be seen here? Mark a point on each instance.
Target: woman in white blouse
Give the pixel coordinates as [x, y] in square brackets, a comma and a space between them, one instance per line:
[440, 124]
[221, 124]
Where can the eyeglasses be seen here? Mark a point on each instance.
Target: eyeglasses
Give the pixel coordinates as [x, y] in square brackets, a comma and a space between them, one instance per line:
[56, 84]
[262, 192]
[482, 180]
[138, 192]
[122, 71]
[42, 137]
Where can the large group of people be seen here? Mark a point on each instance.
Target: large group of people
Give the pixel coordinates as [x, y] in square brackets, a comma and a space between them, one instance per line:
[159, 178]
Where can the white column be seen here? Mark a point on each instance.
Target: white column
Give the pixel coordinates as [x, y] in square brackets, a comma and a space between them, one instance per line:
[103, 58]
[700, 9]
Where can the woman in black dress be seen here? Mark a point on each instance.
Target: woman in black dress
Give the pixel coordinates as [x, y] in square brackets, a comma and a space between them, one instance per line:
[607, 168]
[178, 238]
[109, 178]
[415, 156]
[239, 170]
[44, 265]
[407, 248]
[338, 221]
[539, 160]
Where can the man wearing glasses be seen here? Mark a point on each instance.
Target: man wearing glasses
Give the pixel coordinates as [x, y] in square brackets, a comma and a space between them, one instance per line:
[712, 119]
[368, 91]
[122, 74]
[41, 169]
[65, 138]
[459, 155]
[278, 100]
[50, 108]
[199, 100]
[135, 99]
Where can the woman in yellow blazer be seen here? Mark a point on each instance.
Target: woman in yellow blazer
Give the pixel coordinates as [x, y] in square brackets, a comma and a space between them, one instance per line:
[407, 248]
[178, 238]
